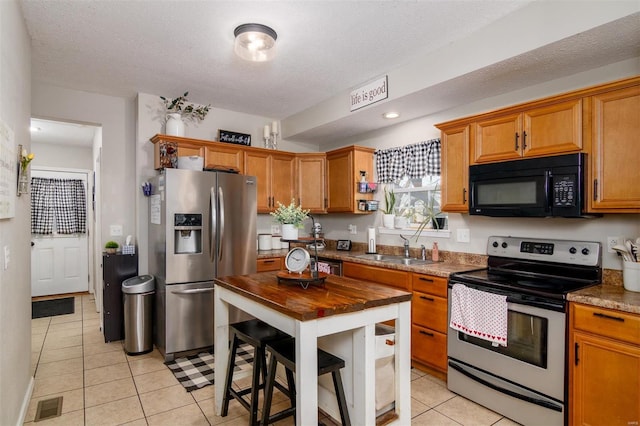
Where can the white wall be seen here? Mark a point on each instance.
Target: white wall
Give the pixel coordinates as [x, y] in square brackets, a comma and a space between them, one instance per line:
[481, 227]
[117, 118]
[150, 120]
[15, 277]
[64, 156]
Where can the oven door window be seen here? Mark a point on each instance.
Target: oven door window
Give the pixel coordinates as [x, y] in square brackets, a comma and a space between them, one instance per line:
[526, 339]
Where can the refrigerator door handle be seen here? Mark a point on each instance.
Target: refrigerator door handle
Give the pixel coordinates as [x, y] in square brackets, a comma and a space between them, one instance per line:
[193, 291]
[221, 239]
[212, 223]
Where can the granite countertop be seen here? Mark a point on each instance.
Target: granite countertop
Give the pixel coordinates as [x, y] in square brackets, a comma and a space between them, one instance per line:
[610, 294]
[453, 262]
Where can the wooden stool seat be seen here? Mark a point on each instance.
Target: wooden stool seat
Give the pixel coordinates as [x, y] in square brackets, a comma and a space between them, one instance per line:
[257, 334]
[284, 352]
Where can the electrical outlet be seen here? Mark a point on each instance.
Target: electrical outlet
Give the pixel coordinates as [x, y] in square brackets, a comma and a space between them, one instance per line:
[613, 241]
[463, 236]
[275, 229]
[353, 229]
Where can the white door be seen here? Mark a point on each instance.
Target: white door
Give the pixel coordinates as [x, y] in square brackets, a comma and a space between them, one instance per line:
[59, 263]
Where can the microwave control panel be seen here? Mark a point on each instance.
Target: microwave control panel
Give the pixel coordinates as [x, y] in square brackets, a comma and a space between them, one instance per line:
[564, 191]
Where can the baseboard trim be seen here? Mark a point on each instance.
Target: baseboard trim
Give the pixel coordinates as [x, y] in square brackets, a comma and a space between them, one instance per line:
[25, 402]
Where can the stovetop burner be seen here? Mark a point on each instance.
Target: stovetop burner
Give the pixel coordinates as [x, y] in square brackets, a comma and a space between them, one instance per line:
[542, 268]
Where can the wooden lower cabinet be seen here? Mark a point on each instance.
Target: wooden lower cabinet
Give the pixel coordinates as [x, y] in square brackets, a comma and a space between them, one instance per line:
[429, 321]
[391, 277]
[604, 366]
[429, 347]
[269, 264]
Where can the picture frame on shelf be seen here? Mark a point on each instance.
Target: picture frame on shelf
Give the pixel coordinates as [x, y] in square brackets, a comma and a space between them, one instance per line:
[343, 245]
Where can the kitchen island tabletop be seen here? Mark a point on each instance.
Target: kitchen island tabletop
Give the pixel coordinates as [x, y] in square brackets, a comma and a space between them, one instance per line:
[338, 306]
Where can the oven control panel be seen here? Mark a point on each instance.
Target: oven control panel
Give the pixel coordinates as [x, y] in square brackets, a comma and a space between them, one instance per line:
[587, 253]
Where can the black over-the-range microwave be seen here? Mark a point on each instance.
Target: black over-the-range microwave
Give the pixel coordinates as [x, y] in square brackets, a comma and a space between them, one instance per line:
[537, 187]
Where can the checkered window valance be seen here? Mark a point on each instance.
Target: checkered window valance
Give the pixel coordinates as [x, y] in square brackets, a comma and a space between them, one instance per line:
[415, 161]
[62, 200]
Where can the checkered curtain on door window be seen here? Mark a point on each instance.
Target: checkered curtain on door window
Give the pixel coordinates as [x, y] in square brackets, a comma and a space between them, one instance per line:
[416, 160]
[62, 199]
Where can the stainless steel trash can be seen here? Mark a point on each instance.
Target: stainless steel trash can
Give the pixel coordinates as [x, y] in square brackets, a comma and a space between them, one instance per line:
[138, 293]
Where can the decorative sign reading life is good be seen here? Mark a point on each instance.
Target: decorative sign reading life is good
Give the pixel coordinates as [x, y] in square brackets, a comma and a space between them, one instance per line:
[369, 94]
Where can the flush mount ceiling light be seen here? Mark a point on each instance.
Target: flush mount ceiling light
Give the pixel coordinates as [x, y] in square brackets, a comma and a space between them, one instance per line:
[255, 42]
[391, 114]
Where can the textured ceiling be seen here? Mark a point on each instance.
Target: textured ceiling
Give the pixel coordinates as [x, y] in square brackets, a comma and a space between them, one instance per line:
[325, 48]
[167, 47]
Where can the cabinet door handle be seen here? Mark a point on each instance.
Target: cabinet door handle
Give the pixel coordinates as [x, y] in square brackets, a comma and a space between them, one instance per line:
[576, 349]
[517, 146]
[464, 195]
[426, 333]
[429, 280]
[268, 261]
[430, 299]
[610, 317]
[524, 140]
[595, 190]
[326, 203]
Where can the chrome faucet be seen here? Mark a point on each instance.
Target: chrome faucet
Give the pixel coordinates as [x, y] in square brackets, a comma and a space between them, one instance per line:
[423, 252]
[406, 247]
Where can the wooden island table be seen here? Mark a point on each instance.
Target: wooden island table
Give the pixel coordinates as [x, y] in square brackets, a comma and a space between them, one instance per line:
[337, 306]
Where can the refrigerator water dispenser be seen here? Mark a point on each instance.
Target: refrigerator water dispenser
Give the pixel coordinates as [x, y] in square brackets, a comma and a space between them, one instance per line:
[188, 233]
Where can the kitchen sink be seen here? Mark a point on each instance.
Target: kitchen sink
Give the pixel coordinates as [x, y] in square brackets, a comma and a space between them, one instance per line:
[390, 258]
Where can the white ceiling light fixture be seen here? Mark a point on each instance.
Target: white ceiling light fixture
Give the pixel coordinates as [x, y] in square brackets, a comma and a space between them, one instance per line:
[391, 114]
[255, 42]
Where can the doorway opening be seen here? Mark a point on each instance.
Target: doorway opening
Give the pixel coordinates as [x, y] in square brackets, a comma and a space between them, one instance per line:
[67, 262]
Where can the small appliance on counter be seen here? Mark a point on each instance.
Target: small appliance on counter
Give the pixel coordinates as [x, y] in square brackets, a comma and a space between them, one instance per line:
[318, 235]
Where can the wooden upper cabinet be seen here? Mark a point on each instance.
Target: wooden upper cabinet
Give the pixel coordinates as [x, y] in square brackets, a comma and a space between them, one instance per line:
[510, 135]
[311, 181]
[497, 139]
[343, 174]
[224, 157]
[615, 151]
[455, 168]
[274, 172]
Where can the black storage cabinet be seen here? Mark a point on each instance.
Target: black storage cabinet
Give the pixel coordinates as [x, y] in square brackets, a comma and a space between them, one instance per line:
[115, 269]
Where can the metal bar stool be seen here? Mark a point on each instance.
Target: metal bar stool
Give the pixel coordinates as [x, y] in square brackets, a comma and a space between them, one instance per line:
[284, 352]
[257, 334]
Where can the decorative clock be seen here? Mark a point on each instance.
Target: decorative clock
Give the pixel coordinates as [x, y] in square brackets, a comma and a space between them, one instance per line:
[297, 263]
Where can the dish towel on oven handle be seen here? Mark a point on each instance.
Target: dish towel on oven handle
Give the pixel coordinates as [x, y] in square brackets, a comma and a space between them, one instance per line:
[479, 314]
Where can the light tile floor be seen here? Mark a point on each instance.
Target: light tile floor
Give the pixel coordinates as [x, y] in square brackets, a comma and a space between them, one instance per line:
[101, 385]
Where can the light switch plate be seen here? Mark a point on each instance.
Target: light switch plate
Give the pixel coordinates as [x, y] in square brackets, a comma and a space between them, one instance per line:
[115, 230]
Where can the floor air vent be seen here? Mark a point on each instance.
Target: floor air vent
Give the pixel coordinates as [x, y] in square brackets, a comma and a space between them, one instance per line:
[49, 408]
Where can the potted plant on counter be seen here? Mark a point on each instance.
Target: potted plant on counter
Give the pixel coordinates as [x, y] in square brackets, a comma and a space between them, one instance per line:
[388, 215]
[291, 217]
[111, 247]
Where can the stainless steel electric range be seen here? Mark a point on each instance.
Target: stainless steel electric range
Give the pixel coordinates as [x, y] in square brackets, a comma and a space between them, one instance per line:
[524, 380]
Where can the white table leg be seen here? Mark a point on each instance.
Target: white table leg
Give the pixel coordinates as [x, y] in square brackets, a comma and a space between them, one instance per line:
[403, 363]
[221, 345]
[306, 373]
[364, 367]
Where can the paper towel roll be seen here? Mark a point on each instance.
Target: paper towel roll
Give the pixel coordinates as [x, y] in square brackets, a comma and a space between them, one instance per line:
[371, 240]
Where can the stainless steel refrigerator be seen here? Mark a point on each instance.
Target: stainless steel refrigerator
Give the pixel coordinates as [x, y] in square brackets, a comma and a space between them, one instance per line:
[202, 225]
